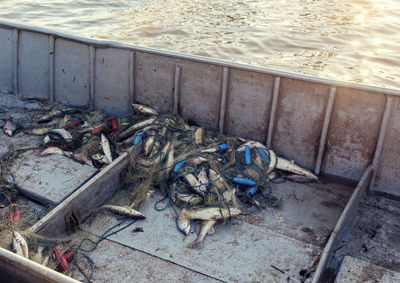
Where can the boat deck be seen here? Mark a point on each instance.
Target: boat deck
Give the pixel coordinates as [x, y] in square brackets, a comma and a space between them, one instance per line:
[270, 245]
[374, 237]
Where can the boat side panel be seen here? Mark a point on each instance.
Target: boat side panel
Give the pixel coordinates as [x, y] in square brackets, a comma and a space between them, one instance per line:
[248, 104]
[299, 118]
[6, 59]
[71, 72]
[353, 132]
[200, 93]
[154, 81]
[111, 93]
[388, 174]
[33, 66]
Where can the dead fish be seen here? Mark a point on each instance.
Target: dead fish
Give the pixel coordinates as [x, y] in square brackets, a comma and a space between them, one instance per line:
[81, 157]
[229, 193]
[55, 150]
[206, 228]
[63, 133]
[37, 131]
[124, 211]
[210, 213]
[50, 116]
[199, 136]
[286, 165]
[197, 160]
[160, 157]
[195, 184]
[10, 127]
[189, 199]
[272, 160]
[251, 144]
[126, 133]
[57, 113]
[184, 223]
[19, 244]
[105, 145]
[143, 109]
[100, 158]
[203, 178]
[148, 146]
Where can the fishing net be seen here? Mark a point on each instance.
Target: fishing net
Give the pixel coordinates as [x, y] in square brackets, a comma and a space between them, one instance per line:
[193, 168]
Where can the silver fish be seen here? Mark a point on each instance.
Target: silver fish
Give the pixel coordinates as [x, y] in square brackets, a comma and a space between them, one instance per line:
[10, 127]
[199, 136]
[251, 144]
[126, 133]
[106, 148]
[210, 213]
[143, 109]
[37, 131]
[55, 150]
[63, 133]
[19, 244]
[195, 184]
[206, 228]
[286, 165]
[124, 211]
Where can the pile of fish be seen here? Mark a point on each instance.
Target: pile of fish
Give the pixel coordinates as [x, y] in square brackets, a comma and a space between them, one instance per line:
[209, 177]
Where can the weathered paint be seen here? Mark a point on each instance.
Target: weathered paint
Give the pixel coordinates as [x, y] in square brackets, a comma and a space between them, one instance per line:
[299, 119]
[6, 60]
[388, 173]
[111, 80]
[353, 132]
[33, 67]
[154, 81]
[71, 72]
[200, 93]
[248, 93]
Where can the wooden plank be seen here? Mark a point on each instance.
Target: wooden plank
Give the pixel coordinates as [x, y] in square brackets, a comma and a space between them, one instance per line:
[19, 269]
[82, 202]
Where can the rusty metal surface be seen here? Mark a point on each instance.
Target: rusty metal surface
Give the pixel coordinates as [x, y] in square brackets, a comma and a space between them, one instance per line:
[244, 249]
[248, 104]
[299, 120]
[200, 93]
[388, 174]
[112, 65]
[154, 81]
[353, 132]
[118, 263]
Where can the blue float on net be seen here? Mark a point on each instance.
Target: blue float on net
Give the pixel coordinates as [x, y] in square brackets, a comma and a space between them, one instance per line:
[223, 146]
[244, 181]
[263, 155]
[247, 155]
[138, 138]
[253, 190]
[179, 166]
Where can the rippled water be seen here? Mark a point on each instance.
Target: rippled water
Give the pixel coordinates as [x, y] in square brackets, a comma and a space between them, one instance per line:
[347, 40]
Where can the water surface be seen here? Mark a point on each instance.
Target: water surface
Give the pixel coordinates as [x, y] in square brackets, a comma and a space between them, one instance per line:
[354, 41]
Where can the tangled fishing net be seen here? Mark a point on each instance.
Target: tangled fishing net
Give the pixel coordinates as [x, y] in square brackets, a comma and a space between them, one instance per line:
[204, 176]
